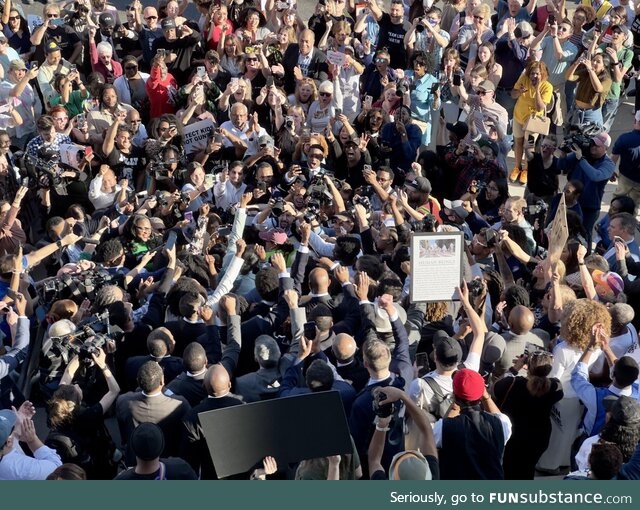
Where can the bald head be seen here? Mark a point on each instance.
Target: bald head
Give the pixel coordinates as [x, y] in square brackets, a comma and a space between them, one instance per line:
[319, 280]
[217, 381]
[344, 347]
[521, 320]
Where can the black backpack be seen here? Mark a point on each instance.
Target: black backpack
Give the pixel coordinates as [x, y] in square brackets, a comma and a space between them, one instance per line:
[440, 403]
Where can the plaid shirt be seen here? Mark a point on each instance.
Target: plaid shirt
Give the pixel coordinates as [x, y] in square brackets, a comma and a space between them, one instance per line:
[470, 169]
[37, 143]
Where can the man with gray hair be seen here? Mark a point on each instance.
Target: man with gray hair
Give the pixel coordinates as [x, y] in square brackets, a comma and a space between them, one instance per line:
[242, 131]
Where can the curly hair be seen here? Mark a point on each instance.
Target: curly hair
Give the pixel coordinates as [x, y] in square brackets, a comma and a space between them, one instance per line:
[436, 311]
[625, 437]
[585, 313]
[537, 65]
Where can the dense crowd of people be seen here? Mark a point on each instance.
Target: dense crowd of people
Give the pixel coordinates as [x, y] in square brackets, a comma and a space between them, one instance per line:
[201, 211]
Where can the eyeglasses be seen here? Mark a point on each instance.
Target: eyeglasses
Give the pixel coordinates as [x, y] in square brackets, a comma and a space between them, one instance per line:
[60, 119]
[151, 17]
[143, 229]
[547, 146]
[326, 94]
[380, 60]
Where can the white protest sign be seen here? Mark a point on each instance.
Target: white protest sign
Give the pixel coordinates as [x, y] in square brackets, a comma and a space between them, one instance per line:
[72, 154]
[197, 134]
[336, 58]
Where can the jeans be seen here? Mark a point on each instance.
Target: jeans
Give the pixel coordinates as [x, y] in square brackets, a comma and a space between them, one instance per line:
[609, 110]
[581, 117]
[570, 95]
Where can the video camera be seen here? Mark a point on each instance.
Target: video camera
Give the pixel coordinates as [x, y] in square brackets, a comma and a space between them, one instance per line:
[580, 136]
[43, 171]
[73, 286]
[536, 210]
[85, 342]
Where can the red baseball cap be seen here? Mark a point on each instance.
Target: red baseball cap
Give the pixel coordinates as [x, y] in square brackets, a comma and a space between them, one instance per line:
[468, 385]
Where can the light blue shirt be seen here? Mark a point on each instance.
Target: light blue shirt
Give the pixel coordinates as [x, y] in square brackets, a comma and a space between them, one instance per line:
[421, 97]
[557, 67]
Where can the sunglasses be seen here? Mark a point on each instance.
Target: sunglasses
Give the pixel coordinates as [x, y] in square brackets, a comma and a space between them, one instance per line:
[380, 60]
[480, 18]
[483, 92]
[251, 59]
[51, 15]
[316, 155]
[151, 17]
[131, 68]
[326, 94]
[14, 18]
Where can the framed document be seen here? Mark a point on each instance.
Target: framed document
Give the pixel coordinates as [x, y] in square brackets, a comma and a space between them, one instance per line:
[436, 266]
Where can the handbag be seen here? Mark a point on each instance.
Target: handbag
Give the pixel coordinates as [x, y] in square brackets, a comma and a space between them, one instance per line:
[537, 124]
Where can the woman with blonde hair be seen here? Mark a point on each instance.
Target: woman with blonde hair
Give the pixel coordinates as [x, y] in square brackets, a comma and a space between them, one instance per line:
[579, 323]
[305, 94]
[336, 37]
[389, 101]
[533, 93]
[527, 401]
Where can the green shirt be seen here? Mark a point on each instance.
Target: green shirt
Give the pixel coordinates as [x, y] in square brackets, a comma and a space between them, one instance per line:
[625, 56]
[74, 106]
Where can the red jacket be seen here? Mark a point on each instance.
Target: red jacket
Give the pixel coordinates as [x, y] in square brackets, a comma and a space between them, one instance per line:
[161, 92]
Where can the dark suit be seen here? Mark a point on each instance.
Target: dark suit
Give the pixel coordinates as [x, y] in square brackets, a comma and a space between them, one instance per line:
[185, 332]
[318, 67]
[190, 387]
[171, 366]
[132, 409]
[354, 373]
[262, 325]
[264, 383]
[194, 447]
